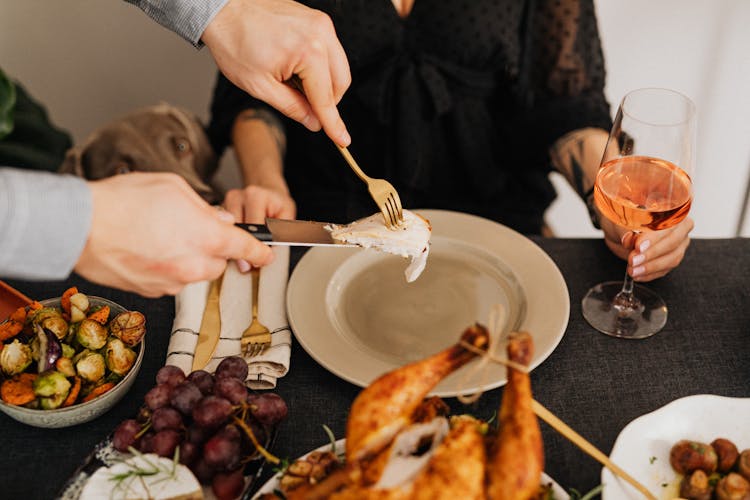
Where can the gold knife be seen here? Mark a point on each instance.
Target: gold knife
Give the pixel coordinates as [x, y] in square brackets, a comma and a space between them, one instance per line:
[208, 336]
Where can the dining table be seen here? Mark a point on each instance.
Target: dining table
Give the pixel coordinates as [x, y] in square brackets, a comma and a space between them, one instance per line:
[595, 383]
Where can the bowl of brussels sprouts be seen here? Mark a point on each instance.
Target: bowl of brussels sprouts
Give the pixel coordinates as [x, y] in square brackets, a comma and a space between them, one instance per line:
[67, 360]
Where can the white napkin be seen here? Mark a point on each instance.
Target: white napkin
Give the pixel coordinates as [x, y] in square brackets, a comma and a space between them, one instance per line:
[235, 301]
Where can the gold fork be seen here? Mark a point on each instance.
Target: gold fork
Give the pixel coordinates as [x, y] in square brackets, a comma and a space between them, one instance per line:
[382, 192]
[256, 337]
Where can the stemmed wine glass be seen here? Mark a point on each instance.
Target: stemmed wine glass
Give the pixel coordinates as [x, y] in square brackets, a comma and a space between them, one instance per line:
[643, 184]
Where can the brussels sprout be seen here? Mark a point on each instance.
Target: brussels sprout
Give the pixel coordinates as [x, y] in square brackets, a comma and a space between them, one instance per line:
[51, 387]
[15, 358]
[91, 334]
[79, 356]
[72, 332]
[65, 366]
[56, 325]
[68, 352]
[128, 326]
[44, 313]
[118, 356]
[49, 348]
[91, 367]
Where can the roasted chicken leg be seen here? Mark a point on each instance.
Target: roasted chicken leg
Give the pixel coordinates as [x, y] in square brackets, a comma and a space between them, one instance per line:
[516, 460]
[386, 406]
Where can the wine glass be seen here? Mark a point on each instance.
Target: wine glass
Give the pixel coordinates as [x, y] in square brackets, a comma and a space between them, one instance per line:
[643, 184]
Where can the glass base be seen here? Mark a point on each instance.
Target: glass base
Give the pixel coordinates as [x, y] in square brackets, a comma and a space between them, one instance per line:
[639, 323]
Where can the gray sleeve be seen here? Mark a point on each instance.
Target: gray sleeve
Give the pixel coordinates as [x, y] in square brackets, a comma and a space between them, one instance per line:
[45, 219]
[187, 18]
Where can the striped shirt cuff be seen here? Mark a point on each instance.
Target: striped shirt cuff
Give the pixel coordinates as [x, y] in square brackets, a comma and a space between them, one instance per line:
[187, 18]
[45, 219]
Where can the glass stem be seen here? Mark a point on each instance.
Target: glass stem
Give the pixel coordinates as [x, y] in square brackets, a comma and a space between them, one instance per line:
[625, 302]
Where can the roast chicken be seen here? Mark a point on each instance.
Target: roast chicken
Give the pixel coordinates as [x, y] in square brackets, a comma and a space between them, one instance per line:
[401, 446]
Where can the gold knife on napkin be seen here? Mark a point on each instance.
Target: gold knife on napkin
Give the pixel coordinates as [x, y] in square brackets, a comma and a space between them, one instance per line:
[208, 335]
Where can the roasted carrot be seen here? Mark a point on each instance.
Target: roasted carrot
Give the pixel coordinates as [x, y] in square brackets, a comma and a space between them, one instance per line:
[16, 321]
[19, 315]
[101, 315]
[18, 390]
[65, 299]
[98, 391]
[75, 389]
[10, 329]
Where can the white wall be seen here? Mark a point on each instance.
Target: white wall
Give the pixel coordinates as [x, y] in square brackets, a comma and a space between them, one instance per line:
[92, 60]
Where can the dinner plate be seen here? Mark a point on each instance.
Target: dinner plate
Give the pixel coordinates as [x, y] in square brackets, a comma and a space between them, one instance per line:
[354, 313]
[642, 448]
[273, 484]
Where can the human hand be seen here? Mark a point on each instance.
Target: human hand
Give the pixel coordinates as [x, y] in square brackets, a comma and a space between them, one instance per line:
[260, 44]
[254, 203]
[650, 254]
[152, 234]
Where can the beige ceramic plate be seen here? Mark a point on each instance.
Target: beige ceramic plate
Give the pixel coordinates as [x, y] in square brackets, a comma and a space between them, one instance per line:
[354, 313]
[273, 484]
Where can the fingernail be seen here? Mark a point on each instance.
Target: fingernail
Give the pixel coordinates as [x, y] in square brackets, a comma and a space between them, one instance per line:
[644, 246]
[625, 240]
[311, 123]
[638, 259]
[345, 139]
[243, 265]
[637, 271]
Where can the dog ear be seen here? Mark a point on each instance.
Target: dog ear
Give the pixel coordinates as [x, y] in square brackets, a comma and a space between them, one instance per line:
[72, 163]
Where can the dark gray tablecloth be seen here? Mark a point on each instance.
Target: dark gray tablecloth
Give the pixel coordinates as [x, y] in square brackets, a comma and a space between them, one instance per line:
[595, 383]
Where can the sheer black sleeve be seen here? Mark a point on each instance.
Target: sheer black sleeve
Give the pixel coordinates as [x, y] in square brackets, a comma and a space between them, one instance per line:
[561, 81]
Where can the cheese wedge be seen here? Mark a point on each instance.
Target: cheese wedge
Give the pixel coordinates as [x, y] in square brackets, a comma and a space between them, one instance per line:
[143, 477]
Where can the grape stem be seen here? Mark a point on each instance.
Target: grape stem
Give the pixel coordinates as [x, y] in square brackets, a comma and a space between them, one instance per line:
[250, 434]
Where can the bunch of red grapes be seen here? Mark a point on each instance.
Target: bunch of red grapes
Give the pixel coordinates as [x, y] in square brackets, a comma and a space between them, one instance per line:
[207, 419]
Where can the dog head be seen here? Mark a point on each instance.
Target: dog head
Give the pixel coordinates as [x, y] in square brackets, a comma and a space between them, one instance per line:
[160, 138]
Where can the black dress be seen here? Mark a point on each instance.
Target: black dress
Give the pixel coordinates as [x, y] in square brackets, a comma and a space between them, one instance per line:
[457, 105]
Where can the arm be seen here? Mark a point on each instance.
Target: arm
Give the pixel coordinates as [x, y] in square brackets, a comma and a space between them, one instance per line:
[146, 233]
[566, 87]
[259, 143]
[45, 219]
[651, 254]
[259, 44]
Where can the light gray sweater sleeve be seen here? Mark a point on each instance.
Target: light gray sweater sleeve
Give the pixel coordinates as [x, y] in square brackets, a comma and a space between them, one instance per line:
[45, 220]
[187, 18]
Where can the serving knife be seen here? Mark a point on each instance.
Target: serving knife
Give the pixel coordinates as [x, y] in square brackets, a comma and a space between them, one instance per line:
[293, 233]
[208, 335]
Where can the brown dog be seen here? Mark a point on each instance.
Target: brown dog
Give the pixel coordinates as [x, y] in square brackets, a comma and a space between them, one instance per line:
[159, 138]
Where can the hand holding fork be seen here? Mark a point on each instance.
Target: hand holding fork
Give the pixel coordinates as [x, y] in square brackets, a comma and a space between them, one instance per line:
[382, 192]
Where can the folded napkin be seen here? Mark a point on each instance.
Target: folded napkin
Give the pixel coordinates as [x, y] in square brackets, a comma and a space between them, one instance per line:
[235, 302]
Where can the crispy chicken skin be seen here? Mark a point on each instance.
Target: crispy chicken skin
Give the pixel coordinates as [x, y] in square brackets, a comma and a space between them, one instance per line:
[386, 406]
[457, 468]
[466, 464]
[516, 460]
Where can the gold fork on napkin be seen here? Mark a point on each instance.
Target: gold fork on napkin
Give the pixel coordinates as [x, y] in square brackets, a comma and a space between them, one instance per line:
[256, 337]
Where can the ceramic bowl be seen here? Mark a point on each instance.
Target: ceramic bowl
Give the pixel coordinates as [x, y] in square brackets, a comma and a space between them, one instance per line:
[81, 412]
